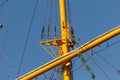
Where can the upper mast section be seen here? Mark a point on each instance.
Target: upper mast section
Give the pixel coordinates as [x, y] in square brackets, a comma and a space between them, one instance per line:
[64, 48]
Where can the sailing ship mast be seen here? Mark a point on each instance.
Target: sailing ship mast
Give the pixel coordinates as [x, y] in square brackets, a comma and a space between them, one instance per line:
[64, 48]
[65, 44]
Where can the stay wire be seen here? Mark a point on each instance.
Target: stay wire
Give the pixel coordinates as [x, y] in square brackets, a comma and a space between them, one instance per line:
[3, 3]
[52, 74]
[100, 68]
[84, 62]
[8, 24]
[119, 74]
[8, 60]
[45, 16]
[94, 53]
[55, 17]
[112, 44]
[1, 6]
[50, 19]
[44, 21]
[6, 33]
[5, 72]
[114, 67]
[69, 12]
[27, 38]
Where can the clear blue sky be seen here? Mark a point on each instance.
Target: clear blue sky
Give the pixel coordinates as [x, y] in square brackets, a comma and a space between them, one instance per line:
[90, 18]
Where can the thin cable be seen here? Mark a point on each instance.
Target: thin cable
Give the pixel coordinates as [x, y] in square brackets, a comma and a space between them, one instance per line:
[55, 22]
[107, 47]
[108, 62]
[100, 69]
[46, 49]
[53, 52]
[26, 42]
[44, 22]
[119, 74]
[45, 16]
[45, 76]
[50, 20]
[3, 3]
[5, 72]
[69, 12]
[52, 74]
[8, 24]
[87, 67]
[8, 60]
[93, 53]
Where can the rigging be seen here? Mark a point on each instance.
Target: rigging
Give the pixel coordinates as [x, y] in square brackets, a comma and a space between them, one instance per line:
[2, 4]
[27, 38]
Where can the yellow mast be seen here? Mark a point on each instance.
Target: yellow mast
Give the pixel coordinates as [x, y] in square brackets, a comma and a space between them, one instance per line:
[64, 43]
[64, 48]
[66, 57]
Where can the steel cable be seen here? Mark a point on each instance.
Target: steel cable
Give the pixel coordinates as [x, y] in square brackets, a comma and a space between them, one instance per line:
[27, 38]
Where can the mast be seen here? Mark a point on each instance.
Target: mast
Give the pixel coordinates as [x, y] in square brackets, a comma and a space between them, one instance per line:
[64, 48]
[65, 44]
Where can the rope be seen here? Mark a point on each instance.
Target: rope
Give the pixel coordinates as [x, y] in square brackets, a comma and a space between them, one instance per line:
[87, 67]
[5, 72]
[8, 24]
[1, 6]
[93, 53]
[27, 38]
[53, 51]
[118, 74]
[8, 60]
[112, 44]
[45, 16]
[100, 68]
[84, 61]
[50, 53]
[48, 33]
[3, 3]
[108, 62]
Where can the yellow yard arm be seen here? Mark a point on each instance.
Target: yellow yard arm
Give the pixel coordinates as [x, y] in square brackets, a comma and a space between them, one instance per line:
[68, 56]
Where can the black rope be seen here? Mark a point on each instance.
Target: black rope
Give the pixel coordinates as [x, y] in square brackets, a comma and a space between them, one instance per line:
[26, 42]
[48, 34]
[42, 33]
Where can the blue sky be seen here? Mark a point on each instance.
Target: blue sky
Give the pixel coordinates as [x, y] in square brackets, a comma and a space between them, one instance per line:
[90, 18]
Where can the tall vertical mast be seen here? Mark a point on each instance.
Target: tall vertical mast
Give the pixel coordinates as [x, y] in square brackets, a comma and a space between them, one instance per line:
[64, 48]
